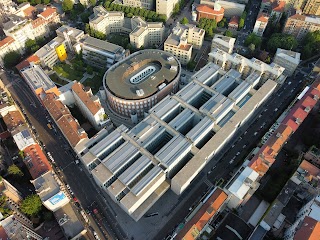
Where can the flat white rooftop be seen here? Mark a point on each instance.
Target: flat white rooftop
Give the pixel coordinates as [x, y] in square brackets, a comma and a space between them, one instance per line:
[179, 137]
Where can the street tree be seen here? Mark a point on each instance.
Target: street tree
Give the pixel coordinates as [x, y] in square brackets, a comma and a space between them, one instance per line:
[254, 39]
[67, 5]
[31, 205]
[11, 59]
[228, 33]
[184, 20]
[15, 171]
[284, 41]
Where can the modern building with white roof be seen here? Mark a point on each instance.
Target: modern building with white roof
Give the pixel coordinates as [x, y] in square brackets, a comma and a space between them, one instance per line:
[38, 80]
[247, 66]
[22, 137]
[48, 187]
[287, 59]
[224, 43]
[241, 185]
[99, 53]
[181, 134]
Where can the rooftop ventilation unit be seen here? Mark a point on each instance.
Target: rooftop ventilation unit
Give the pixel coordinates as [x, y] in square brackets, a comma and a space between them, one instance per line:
[170, 58]
[278, 135]
[140, 92]
[316, 97]
[307, 109]
[298, 121]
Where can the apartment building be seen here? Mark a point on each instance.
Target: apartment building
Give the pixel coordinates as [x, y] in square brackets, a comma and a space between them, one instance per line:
[48, 53]
[22, 137]
[68, 125]
[273, 8]
[15, 227]
[146, 4]
[307, 224]
[42, 24]
[287, 59]
[141, 33]
[203, 214]
[19, 29]
[165, 7]
[313, 155]
[146, 34]
[7, 45]
[299, 25]
[246, 66]
[231, 7]
[35, 160]
[241, 187]
[89, 105]
[311, 7]
[182, 39]
[100, 53]
[222, 42]
[38, 80]
[106, 21]
[261, 24]
[172, 145]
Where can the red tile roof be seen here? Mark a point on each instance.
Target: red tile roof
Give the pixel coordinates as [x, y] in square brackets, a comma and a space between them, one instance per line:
[3, 234]
[13, 119]
[298, 17]
[266, 156]
[38, 22]
[209, 10]
[66, 122]
[310, 168]
[309, 230]
[25, 63]
[28, 12]
[262, 18]
[234, 20]
[86, 98]
[302, 108]
[6, 41]
[278, 6]
[204, 214]
[48, 12]
[36, 161]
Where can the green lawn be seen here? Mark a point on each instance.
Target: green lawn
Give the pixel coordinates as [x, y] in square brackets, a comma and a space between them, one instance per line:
[95, 83]
[119, 39]
[57, 80]
[67, 71]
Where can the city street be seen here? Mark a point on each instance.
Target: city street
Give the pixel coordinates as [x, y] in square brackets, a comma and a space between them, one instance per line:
[252, 13]
[83, 187]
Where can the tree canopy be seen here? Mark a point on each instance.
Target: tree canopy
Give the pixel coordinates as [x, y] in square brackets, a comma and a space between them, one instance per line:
[284, 41]
[94, 33]
[242, 20]
[67, 5]
[311, 44]
[31, 205]
[11, 59]
[135, 11]
[209, 25]
[14, 170]
[253, 39]
[223, 23]
[228, 33]
[184, 20]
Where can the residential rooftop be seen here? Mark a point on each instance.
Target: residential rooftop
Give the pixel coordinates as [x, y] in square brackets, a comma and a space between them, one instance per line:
[37, 78]
[35, 160]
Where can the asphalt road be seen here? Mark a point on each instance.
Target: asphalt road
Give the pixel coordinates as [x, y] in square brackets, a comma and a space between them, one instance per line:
[252, 13]
[83, 187]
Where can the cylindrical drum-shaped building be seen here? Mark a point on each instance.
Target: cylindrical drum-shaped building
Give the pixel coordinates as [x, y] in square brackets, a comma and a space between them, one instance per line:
[141, 80]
